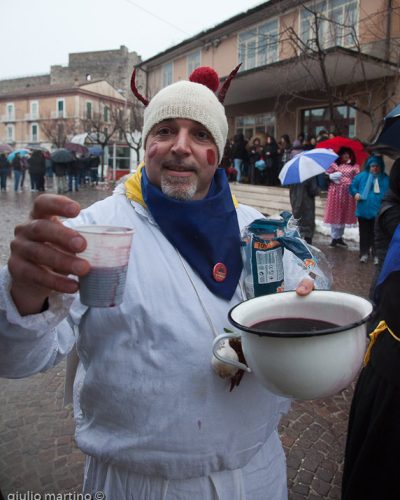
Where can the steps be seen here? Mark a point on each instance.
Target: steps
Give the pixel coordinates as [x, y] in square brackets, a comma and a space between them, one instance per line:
[270, 200]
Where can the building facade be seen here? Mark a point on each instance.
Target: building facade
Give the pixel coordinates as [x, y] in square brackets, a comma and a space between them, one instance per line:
[48, 110]
[305, 66]
[49, 115]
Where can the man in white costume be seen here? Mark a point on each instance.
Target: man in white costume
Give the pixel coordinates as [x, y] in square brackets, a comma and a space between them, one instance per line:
[153, 418]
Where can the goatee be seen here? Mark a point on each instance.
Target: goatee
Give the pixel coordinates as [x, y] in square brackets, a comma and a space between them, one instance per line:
[178, 188]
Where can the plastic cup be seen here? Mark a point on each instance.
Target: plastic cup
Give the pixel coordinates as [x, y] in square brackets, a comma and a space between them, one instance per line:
[108, 249]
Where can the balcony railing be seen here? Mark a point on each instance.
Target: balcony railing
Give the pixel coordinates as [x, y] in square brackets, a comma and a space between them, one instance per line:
[8, 118]
[31, 116]
[58, 114]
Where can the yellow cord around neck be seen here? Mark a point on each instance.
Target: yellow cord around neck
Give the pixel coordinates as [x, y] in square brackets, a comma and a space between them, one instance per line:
[374, 335]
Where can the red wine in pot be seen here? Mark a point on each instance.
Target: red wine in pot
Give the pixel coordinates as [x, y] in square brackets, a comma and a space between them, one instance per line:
[288, 325]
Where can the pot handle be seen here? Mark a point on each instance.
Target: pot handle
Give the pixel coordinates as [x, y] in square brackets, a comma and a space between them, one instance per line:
[232, 362]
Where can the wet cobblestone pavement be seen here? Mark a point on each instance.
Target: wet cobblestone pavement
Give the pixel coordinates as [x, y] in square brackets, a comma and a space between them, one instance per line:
[37, 449]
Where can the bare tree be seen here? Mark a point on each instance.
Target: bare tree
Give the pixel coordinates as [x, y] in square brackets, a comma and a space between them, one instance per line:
[130, 126]
[314, 49]
[58, 130]
[101, 127]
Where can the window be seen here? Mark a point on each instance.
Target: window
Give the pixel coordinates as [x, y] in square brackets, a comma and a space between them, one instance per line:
[34, 110]
[316, 119]
[106, 114]
[345, 15]
[255, 124]
[336, 21]
[122, 159]
[88, 110]
[60, 108]
[193, 61]
[10, 133]
[34, 132]
[167, 74]
[259, 46]
[10, 112]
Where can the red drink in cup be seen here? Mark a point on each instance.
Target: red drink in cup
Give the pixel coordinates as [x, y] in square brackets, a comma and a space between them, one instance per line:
[108, 250]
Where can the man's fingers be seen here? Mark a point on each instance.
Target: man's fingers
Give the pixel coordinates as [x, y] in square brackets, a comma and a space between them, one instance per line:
[49, 256]
[46, 231]
[41, 278]
[47, 205]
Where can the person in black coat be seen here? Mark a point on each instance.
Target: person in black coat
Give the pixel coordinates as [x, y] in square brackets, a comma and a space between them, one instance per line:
[372, 462]
[257, 166]
[239, 155]
[37, 170]
[17, 168]
[271, 151]
[73, 168]
[302, 200]
[60, 171]
[94, 162]
[4, 171]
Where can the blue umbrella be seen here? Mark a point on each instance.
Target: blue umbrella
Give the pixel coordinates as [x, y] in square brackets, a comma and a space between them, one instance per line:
[96, 150]
[22, 152]
[305, 165]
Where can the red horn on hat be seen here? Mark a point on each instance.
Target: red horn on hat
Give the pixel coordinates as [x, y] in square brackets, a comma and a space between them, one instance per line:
[227, 82]
[135, 91]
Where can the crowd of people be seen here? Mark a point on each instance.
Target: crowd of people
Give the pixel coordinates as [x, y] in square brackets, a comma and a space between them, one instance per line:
[354, 192]
[42, 170]
[82, 170]
[259, 159]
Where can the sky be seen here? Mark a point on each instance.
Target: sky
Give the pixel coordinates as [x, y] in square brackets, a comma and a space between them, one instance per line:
[36, 34]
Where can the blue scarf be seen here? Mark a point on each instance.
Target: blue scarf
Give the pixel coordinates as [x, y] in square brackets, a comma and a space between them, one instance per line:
[391, 264]
[206, 232]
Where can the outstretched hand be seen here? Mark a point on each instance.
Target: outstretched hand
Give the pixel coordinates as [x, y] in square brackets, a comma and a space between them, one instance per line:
[43, 254]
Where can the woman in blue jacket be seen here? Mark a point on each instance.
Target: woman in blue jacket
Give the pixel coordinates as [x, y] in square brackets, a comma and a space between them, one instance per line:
[368, 188]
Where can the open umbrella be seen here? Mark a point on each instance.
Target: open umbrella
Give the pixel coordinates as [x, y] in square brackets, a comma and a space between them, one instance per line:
[387, 141]
[96, 150]
[305, 165]
[22, 152]
[36, 147]
[77, 148]
[339, 142]
[5, 148]
[62, 155]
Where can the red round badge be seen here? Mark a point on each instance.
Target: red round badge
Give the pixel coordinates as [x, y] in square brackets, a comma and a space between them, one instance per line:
[219, 272]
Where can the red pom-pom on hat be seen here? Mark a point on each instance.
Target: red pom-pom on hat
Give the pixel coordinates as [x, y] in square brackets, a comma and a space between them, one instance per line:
[206, 76]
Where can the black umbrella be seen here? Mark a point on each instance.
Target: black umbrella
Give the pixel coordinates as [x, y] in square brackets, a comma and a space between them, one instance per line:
[36, 147]
[388, 139]
[77, 148]
[62, 155]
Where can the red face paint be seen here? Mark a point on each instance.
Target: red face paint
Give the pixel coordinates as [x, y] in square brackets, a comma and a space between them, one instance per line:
[152, 150]
[211, 157]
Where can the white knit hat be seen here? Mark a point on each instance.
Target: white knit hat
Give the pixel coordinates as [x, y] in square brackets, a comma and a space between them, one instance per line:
[192, 101]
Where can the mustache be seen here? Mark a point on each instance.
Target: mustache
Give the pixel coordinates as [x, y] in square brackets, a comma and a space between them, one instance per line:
[178, 165]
